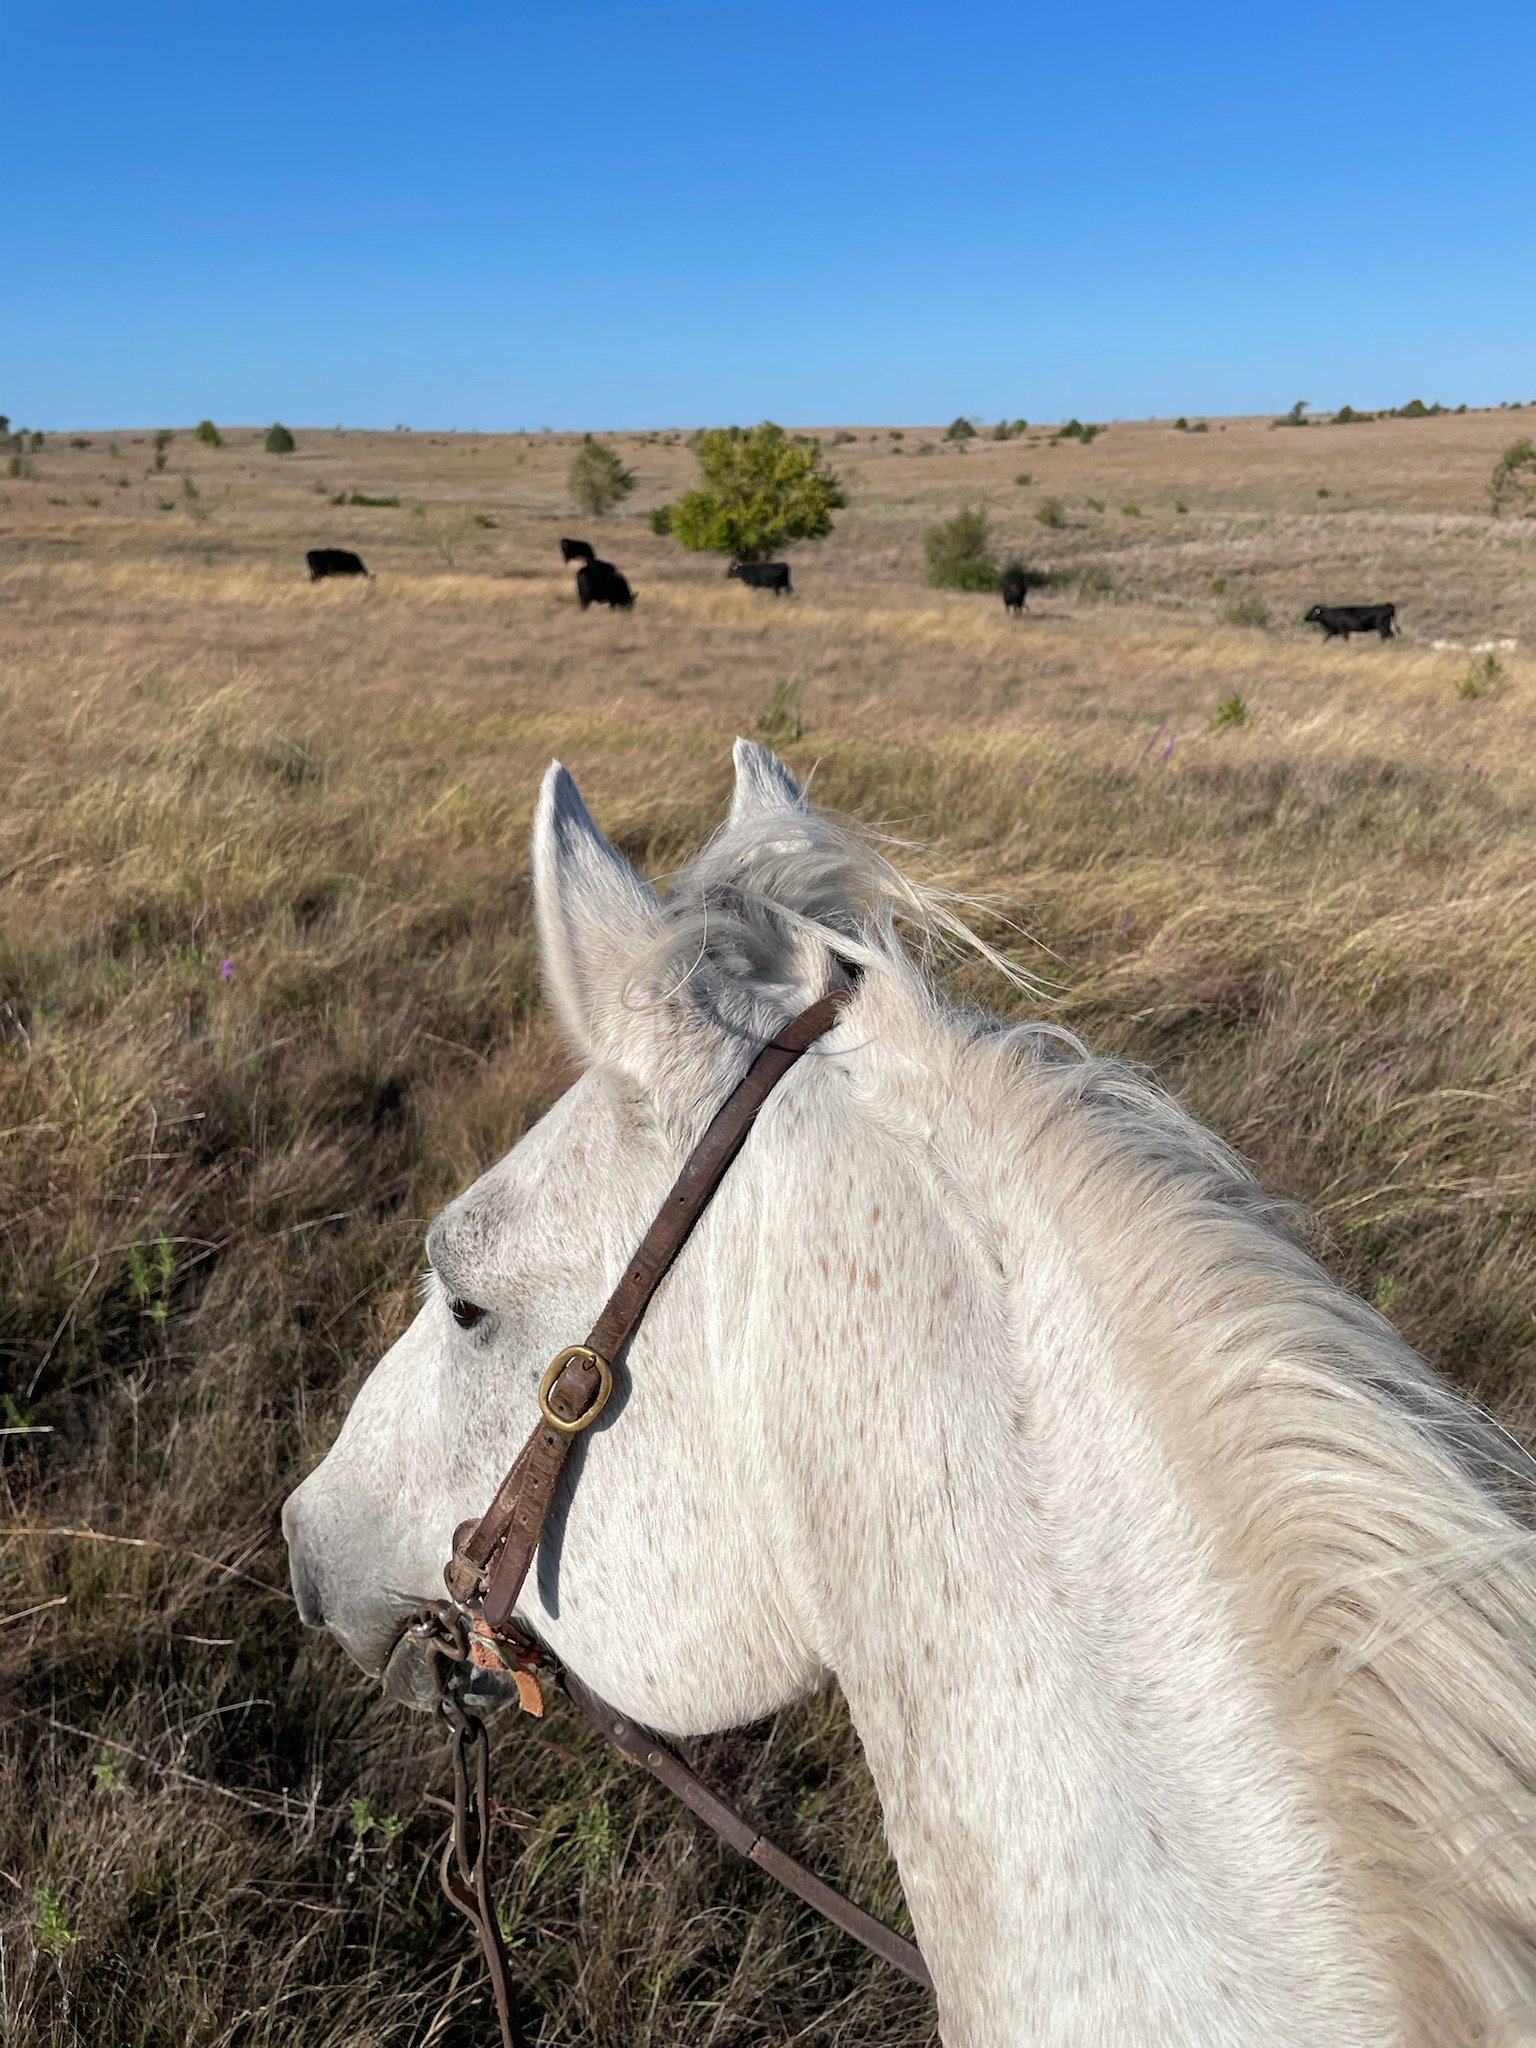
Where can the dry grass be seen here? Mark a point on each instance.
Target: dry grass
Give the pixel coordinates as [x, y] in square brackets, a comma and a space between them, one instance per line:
[1318, 926]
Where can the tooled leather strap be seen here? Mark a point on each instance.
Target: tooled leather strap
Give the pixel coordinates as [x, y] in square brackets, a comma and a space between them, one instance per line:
[491, 1558]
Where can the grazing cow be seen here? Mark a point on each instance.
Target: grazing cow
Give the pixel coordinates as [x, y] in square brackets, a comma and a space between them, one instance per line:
[772, 576]
[1015, 589]
[333, 562]
[577, 551]
[1343, 619]
[600, 583]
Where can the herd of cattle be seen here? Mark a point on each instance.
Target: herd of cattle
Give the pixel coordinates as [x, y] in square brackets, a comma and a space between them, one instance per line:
[599, 582]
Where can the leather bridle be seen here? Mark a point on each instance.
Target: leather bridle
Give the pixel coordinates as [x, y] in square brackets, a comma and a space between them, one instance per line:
[491, 1558]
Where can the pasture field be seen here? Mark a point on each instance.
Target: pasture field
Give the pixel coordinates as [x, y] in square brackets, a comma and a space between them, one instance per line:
[269, 998]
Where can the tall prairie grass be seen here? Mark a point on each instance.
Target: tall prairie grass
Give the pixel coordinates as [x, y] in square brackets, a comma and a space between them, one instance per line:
[268, 997]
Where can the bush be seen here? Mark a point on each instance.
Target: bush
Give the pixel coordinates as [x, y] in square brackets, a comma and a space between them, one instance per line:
[1416, 409]
[1346, 416]
[1247, 611]
[1179, 505]
[598, 479]
[163, 442]
[1181, 425]
[1075, 430]
[1051, 512]
[1513, 481]
[783, 721]
[1230, 711]
[1131, 510]
[1481, 677]
[279, 441]
[1200, 427]
[1023, 478]
[661, 519]
[206, 432]
[959, 553]
[842, 437]
[1296, 417]
[960, 429]
[759, 489]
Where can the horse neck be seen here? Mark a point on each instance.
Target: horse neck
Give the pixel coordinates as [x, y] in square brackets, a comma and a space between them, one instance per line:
[1096, 1828]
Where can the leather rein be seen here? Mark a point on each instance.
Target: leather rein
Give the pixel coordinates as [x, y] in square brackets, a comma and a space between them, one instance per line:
[491, 1558]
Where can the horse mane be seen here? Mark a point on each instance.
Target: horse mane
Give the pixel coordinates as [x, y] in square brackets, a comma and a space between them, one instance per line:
[1370, 1525]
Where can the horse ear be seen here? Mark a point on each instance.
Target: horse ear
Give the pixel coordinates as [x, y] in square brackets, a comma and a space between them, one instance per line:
[590, 905]
[763, 785]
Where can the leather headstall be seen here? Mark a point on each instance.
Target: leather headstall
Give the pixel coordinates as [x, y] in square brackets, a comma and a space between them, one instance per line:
[491, 1557]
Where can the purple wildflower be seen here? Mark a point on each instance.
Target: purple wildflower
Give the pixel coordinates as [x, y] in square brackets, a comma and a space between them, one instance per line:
[226, 967]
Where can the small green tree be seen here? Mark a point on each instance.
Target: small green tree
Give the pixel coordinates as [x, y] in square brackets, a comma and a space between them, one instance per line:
[758, 489]
[163, 442]
[598, 478]
[1513, 481]
[960, 429]
[206, 432]
[959, 553]
[279, 440]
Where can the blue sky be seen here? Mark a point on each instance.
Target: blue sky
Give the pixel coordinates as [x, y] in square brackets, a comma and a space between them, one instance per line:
[461, 214]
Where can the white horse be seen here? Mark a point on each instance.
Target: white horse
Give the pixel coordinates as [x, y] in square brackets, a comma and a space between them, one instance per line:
[1186, 1619]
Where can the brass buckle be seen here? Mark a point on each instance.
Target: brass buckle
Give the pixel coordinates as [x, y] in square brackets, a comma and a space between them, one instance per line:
[594, 1407]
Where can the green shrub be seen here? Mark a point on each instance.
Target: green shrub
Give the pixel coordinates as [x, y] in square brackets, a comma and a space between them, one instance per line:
[842, 437]
[960, 429]
[1200, 427]
[1346, 416]
[1094, 504]
[598, 479]
[898, 434]
[1247, 611]
[79, 442]
[1179, 505]
[362, 498]
[206, 432]
[1181, 425]
[1481, 677]
[1075, 430]
[1023, 478]
[1051, 512]
[1230, 711]
[279, 441]
[759, 489]
[1218, 585]
[1416, 409]
[1513, 481]
[661, 519]
[1296, 417]
[163, 442]
[959, 553]
[783, 722]
[1131, 510]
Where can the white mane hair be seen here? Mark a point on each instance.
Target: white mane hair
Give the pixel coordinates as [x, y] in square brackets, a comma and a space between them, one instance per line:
[1367, 1522]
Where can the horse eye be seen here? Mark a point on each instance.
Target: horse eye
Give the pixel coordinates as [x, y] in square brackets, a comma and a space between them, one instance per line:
[465, 1313]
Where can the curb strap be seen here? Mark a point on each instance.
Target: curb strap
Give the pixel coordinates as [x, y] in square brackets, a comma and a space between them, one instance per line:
[491, 1557]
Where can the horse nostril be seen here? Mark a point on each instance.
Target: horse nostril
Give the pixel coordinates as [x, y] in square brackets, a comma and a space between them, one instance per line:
[306, 1593]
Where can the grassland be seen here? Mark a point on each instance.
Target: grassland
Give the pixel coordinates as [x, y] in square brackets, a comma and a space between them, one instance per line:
[269, 998]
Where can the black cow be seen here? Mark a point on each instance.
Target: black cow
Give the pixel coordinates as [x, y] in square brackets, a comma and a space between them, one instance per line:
[577, 551]
[772, 576]
[333, 562]
[1339, 620]
[1015, 589]
[600, 583]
